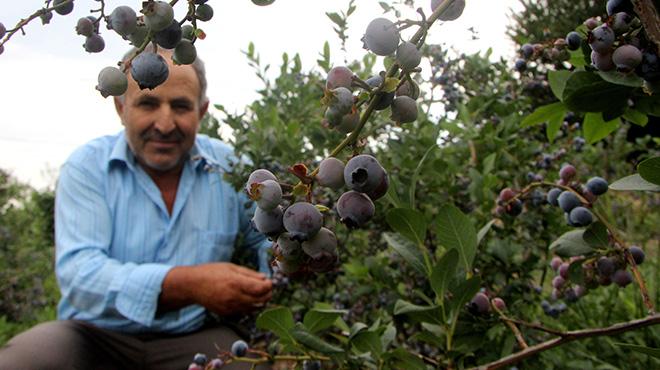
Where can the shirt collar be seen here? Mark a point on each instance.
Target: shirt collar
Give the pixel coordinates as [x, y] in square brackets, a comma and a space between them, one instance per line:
[199, 158]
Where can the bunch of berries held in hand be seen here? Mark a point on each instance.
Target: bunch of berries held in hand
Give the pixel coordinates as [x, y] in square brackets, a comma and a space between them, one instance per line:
[301, 242]
[617, 43]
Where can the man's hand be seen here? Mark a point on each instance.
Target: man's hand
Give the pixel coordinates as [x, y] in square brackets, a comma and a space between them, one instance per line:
[223, 288]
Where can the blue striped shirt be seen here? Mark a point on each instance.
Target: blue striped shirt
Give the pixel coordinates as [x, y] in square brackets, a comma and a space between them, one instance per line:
[116, 241]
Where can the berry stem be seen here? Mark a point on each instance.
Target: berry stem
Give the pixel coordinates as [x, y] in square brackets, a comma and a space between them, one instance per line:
[24, 22]
[512, 325]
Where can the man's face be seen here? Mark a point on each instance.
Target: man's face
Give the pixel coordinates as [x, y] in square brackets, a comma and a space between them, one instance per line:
[161, 123]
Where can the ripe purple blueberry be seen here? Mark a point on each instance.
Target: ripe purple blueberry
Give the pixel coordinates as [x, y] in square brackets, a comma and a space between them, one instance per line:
[268, 222]
[649, 68]
[521, 65]
[555, 263]
[567, 172]
[637, 254]
[603, 61]
[94, 43]
[404, 110]
[123, 20]
[239, 348]
[499, 303]
[408, 56]
[381, 37]
[601, 39]
[341, 100]
[616, 6]
[169, 36]
[552, 196]
[288, 248]
[112, 81]
[527, 50]
[355, 209]
[267, 194]
[302, 220]
[505, 195]
[386, 98]
[85, 27]
[597, 185]
[581, 216]
[626, 58]
[622, 278]
[573, 40]
[200, 359]
[149, 70]
[331, 173]
[605, 266]
[621, 23]
[363, 173]
[3, 30]
[558, 282]
[568, 200]
[216, 364]
[563, 270]
[311, 365]
[62, 7]
[408, 88]
[258, 176]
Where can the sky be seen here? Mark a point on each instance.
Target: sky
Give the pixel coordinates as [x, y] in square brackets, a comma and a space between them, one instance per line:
[49, 105]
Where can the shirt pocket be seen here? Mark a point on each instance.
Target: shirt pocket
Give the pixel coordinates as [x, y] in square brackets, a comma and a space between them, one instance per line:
[217, 246]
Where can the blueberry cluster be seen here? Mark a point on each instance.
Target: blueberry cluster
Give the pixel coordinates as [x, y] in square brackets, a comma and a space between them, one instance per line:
[576, 213]
[301, 241]
[480, 304]
[201, 362]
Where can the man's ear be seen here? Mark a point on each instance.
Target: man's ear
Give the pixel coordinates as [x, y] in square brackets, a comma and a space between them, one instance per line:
[119, 105]
[203, 108]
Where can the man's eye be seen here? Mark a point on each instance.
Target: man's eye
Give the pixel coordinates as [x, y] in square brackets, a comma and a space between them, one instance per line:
[181, 107]
[147, 103]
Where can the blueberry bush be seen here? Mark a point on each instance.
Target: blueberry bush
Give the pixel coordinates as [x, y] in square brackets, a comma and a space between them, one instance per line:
[479, 215]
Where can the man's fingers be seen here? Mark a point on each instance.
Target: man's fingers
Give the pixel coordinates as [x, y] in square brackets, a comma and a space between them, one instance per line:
[256, 288]
[248, 272]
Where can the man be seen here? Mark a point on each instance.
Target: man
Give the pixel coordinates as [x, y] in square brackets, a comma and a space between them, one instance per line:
[141, 225]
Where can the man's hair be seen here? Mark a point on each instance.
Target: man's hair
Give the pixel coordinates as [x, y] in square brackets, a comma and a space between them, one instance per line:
[197, 65]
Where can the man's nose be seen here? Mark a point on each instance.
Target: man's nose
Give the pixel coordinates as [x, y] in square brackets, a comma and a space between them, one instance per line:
[165, 121]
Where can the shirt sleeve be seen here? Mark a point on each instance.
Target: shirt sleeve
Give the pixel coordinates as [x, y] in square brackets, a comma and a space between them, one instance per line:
[253, 239]
[89, 279]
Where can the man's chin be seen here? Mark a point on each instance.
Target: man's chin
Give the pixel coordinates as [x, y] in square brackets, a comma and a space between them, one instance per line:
[162, 165]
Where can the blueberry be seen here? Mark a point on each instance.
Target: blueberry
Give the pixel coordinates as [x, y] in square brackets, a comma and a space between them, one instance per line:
[649, 68]
[452, 12]
[499, 303]
[112, 81]
[626, 58]
[637, 254]
[216, 364]
[94, 43]
[204, 12]
[239, 348]
[363, 173]
[527, 51]
[311, 365]
[621, 23]
[505, 195]
[573, 40]
[63, 9]
[331, 173]
[602, 61]
[404, 109]
[339, 77]
[3, 30]
[381, 37]
[45, 18]
[606, 266]
[158, 15]
[552, 196]
[149, 70]
[169, 36]
[616, 6]
[514, 208]
[563, 270]
[123, 20]
[567, 200]
[601, 39]
[386, 98]
[555, 263]
[521, 65]
[581, 216]
[558, 282]
[355, 209]
[622, 278]
[567, 172]
[184, 52]
[85, 27]
[597, 185]
[302, 220]
[268, 222]
[479, 304]
[200, 359]
[408, 56]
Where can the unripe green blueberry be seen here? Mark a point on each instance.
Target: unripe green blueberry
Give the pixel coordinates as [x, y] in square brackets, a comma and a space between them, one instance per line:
[61, 8]
[187, 32]
[123, 20]
[204, 12]
[331, 173]
[140, 34]
[408, 56]
[404, 109]
[112, 81]
[452, 13]
[184, 52]
[626, 58]
[262, 2]
[381, 37]
[158, 15]
[94, 43]
[637, 254]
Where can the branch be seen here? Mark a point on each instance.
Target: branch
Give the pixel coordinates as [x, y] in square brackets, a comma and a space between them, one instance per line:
[23, 22]
[569, 337]
[648, 14]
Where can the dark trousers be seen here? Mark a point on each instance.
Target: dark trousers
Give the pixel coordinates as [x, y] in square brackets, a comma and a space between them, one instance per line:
[71, 344]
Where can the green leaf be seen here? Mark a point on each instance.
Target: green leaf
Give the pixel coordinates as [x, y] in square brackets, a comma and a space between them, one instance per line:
[649, 105]
[401, 359]
[443, 272]
[278, 320]
[545, 113]
[408, 223]
[634, 182]
[618, 78]
[553, 127]
[649, 170]
[418, 169]
[489, 163]
[318, 319]
[588, 92]
[408, 250]
[418, 313]
[595, 128]
[571, 244]
[304, 337]
[455, 230]
[368, 341]
[575, 273]
[464, 293]
[653, 352]
[636, 117]
[557, 80]
[484, 230]
[596, 235]
[336, 18]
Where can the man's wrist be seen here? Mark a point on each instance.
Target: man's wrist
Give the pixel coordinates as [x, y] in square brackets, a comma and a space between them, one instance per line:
[178, 289]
